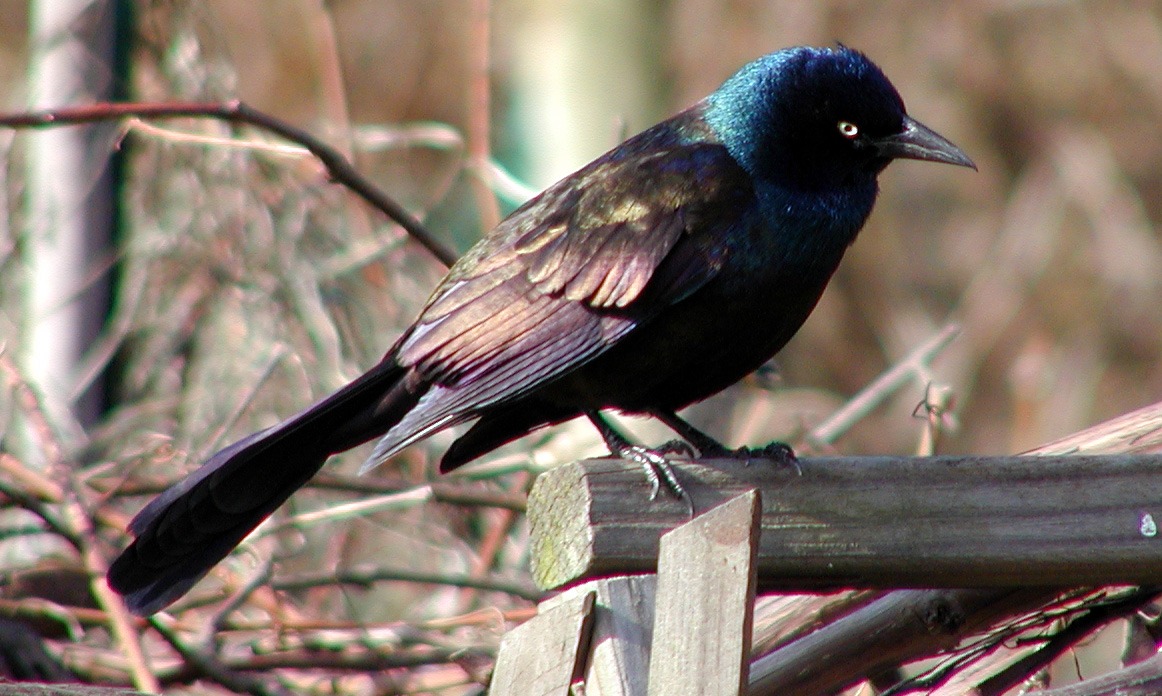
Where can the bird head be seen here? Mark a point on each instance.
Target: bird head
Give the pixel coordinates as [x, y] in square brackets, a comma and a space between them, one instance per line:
[820, 117]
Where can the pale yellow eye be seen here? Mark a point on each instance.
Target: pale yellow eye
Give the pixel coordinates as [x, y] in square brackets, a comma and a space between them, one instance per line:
[848, 129]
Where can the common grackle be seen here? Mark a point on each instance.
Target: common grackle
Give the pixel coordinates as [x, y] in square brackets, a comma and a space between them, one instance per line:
[655, 276]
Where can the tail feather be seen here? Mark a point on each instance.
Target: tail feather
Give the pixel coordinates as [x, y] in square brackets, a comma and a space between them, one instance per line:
[186, 530]
[498, 427]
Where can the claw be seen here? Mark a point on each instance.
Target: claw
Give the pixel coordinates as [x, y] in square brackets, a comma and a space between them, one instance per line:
[657, 468]
[658, 471]
[777, 451]
[678, 447]
[780, 452]
[651, 463]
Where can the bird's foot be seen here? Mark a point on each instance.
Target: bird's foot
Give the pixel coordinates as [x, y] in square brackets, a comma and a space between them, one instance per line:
[776, 451]
[658, 472]
[779, 452]
[678, 447]
[709, 448]
[653, 461]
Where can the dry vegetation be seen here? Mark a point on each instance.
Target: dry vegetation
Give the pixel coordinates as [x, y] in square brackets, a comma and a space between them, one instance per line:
[248, 285]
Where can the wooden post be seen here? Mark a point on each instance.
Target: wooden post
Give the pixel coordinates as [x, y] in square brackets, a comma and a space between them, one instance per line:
[706, 586]
[623, 629]
[610, 634]
[544, 655]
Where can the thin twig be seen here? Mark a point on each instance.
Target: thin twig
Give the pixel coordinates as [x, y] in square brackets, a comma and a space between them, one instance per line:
[351, 660]
[208, 664]
[120, 625]
[222, 612]
[499, 526]
[36, 609]
[355, 509]
[365, 576]
[234, 111]
[33, 410]
[489, 616]
[447, 492]
[170, 135]
[39, 508]
[479, 108]
[886, 384]
[937, 411]
[1064, 639]
[213, 441]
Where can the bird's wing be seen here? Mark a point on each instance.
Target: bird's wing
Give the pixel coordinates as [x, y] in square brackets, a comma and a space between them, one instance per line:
[568, 275]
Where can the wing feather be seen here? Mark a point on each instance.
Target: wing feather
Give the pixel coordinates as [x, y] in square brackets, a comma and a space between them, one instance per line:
[559, 281]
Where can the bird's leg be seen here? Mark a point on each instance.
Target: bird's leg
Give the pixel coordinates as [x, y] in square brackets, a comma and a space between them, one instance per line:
[709, 447]
[706, 445]
[654, 462]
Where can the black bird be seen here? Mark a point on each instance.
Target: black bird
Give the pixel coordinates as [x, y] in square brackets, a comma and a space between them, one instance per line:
[655, 276]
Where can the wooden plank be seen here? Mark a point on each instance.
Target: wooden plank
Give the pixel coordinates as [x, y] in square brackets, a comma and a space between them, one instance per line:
[706, 586]
[879, 636]
[544, 655]
[935, 522]
[623, 624]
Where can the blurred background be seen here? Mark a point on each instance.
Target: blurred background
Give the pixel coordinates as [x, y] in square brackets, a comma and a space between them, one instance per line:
[245, 285]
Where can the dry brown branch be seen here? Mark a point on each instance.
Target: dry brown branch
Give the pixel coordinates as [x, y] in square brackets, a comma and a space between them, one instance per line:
[367, 576]
[208, 664]
[67, 516]
[1094, 617]
[450, 492]
[338, 167]
[121, 625]
[915, 365]
[479, 132]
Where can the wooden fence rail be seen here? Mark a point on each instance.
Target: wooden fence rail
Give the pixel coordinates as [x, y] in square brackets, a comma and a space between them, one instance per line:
[1021, 528]
[873, 522]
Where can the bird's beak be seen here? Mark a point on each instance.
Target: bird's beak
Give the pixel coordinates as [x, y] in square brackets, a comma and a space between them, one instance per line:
[920, 142]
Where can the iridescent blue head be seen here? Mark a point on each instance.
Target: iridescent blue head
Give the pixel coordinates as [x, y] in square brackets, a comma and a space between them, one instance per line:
[810, 118]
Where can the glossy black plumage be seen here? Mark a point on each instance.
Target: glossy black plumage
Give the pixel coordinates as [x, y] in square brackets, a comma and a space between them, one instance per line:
[655, 276]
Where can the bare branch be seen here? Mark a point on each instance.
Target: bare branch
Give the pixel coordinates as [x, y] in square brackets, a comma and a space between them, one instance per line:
[364, 576]
[234, 111]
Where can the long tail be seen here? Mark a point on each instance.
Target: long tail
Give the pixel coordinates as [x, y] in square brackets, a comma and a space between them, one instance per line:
[187, 529]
